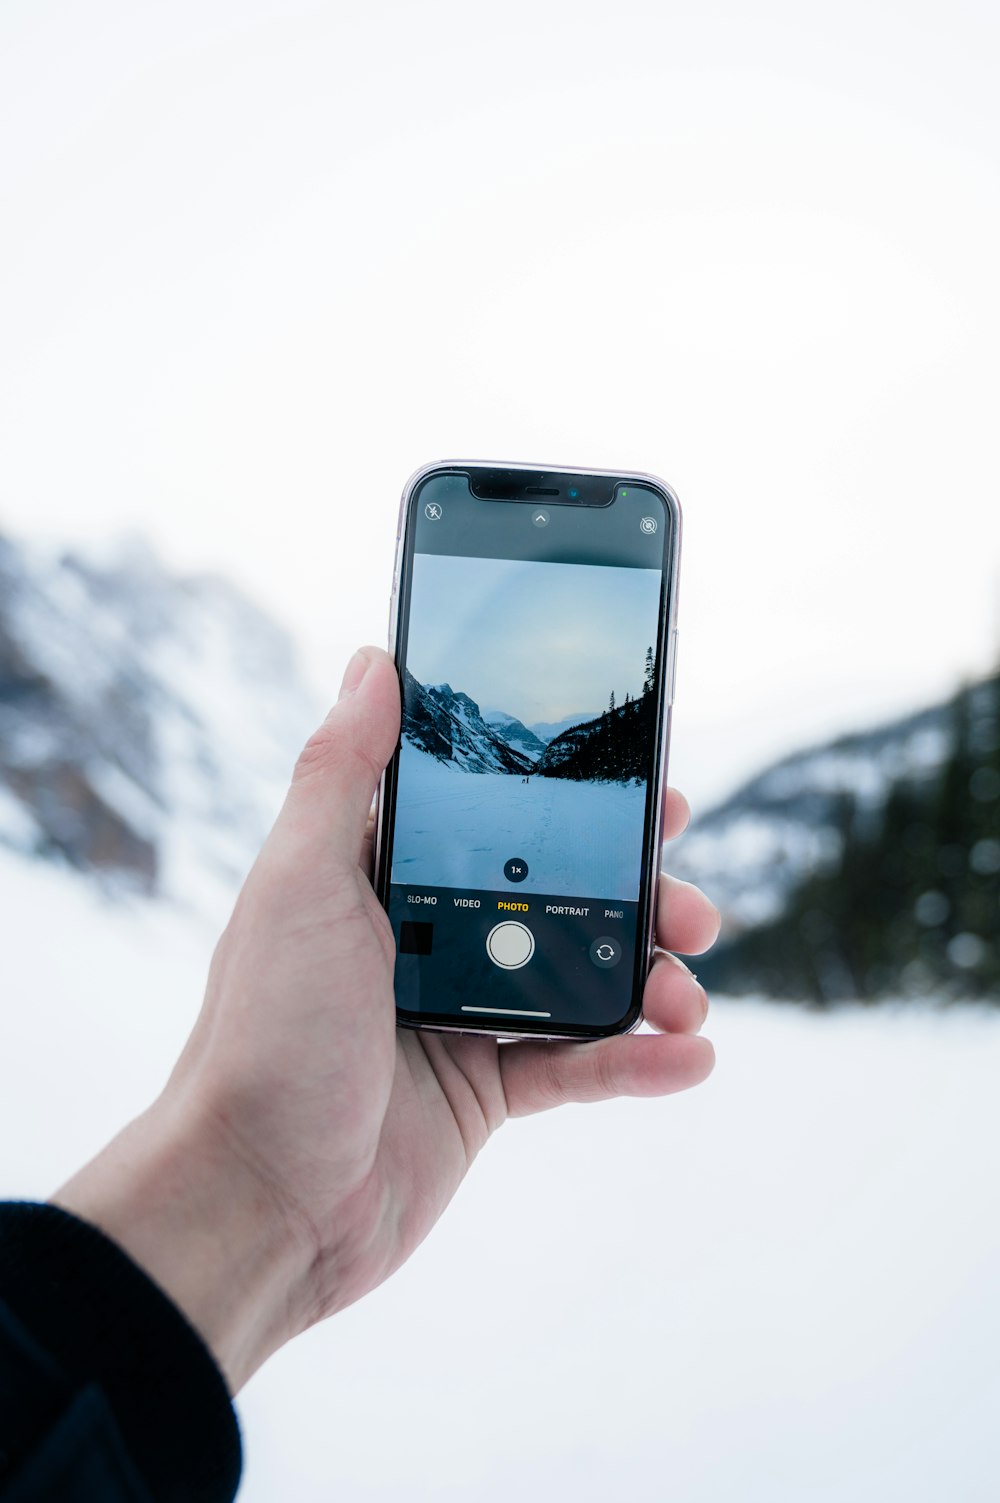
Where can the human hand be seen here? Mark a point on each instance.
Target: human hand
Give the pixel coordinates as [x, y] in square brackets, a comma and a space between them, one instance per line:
[303, 1146]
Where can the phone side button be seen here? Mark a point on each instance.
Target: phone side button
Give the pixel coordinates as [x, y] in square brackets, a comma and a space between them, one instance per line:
[672, 668]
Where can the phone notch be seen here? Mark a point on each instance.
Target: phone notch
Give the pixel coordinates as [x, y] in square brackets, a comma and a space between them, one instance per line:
[560, 488]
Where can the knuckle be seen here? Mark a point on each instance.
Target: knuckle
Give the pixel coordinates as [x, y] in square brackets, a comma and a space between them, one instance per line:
[327, 751]
[549, 1078]
[606, 1071]
[315, 755]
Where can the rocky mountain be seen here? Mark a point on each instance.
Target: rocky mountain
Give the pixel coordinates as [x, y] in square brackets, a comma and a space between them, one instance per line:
[866, 867]
[613, 747]
[148, 722]
[515, 733]
[450, 727]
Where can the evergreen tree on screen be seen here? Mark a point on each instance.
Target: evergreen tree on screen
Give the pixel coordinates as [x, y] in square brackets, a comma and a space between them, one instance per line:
[649, 677]
[616, 747]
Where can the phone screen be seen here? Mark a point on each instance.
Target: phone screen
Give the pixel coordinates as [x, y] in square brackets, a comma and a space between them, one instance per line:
[517, 843]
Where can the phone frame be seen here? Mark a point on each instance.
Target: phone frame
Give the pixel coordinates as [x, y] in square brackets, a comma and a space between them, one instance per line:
[666, 657]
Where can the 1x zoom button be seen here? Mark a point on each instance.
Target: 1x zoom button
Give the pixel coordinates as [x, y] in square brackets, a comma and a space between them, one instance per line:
[510, 945]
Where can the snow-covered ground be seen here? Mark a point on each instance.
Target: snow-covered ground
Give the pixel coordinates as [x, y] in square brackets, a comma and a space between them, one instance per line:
[784, 1286]
[457, 829]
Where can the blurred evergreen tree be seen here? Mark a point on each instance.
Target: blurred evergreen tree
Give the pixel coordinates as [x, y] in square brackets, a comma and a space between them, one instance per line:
[911, 906]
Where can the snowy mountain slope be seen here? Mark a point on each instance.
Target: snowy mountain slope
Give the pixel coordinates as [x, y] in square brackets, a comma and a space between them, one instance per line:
[515, 733]
[449, 727]
[751, 850]
[148, 723]
[864, 869]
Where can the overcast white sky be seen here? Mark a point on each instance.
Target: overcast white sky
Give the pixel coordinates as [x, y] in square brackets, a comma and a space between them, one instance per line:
[261, 260]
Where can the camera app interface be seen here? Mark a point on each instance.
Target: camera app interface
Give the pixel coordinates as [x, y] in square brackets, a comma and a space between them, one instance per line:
[527, 752]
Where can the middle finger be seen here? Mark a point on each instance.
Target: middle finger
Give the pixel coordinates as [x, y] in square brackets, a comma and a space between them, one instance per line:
[686, 919]
[674, 1001]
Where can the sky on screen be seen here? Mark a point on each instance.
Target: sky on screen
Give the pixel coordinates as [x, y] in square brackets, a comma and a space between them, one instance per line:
[541, 641]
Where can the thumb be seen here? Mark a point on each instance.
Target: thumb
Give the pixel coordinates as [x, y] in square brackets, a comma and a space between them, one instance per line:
[340, 765]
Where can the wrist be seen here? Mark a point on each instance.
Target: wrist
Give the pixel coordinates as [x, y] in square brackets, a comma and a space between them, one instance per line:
[197, 1219]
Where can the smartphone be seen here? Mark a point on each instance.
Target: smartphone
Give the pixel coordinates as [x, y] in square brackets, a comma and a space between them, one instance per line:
[533, 623]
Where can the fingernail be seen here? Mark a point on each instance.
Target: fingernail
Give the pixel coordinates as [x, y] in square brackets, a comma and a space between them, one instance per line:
[353, 674]
[704, 993]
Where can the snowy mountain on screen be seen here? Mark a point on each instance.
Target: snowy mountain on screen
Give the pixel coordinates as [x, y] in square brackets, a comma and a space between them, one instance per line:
[148, 722]
[515, 733]
[548, 730]
[449, 726]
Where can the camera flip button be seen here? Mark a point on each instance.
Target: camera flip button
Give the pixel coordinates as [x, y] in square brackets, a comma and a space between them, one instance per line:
[605, 952]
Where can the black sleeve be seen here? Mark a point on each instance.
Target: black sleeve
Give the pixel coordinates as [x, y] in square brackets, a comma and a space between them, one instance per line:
[106, 1391]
